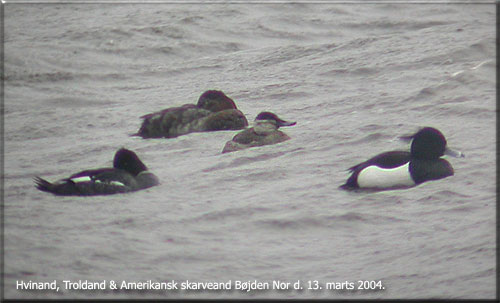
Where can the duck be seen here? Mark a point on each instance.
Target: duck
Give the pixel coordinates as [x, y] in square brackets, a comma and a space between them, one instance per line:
[264, 132]
[128, 174]
[403, 169]
[214, 111]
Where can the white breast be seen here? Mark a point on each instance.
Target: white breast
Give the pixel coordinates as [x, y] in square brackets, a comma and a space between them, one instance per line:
[376, 177]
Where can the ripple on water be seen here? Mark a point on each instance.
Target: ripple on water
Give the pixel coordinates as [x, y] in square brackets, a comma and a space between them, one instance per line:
[326, 221]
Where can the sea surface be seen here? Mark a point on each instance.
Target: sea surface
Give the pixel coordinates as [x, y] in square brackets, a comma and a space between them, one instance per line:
[355, 77]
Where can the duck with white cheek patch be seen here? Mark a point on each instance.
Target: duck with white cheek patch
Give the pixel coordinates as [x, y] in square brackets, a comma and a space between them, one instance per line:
[264, 132]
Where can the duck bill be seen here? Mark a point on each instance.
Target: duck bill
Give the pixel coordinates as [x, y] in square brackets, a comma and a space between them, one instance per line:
[285, 123]
[453, 153]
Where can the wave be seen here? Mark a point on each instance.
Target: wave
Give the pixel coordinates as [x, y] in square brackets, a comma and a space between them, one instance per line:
[349, 219]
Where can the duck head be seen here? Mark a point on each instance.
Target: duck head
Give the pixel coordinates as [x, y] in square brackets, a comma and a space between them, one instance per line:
[267, 122]
[215, 101]
[127, 160]
[430, 144]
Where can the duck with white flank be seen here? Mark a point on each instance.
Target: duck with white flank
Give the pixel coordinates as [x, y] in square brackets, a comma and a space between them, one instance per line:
[402, 169]
[264, 132]
[214, 111]
[127, 174]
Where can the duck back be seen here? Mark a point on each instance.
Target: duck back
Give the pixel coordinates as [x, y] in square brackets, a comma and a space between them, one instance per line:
[172, 122]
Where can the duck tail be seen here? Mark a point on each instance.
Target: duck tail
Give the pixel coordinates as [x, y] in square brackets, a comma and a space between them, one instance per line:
[351, 184]
[43, 184]
[345, 186]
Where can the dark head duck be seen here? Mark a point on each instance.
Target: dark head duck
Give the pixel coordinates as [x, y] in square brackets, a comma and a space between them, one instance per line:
[215, 101]
[264, 132]
[214, 111]
[127, 174]
[402, 169]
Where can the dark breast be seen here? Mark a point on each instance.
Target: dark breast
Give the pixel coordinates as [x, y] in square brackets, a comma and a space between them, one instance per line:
[229, 119]
[246, 136]
[426, 170]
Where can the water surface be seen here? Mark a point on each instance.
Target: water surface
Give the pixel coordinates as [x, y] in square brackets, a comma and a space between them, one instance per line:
[353, 76]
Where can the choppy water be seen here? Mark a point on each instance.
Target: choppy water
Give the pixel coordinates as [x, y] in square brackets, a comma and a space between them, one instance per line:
[353, 76]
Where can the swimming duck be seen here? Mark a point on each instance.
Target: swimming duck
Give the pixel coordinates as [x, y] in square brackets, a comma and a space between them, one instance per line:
[127, 174]
[214, 111]
[403, 169]
[264, 132]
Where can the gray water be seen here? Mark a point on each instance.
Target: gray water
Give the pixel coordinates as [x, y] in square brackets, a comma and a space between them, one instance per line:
[353, 76]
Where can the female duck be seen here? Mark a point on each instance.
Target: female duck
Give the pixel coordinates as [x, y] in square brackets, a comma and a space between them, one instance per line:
[214, 111]
[264, 132]
[127, 174]
[402, 169]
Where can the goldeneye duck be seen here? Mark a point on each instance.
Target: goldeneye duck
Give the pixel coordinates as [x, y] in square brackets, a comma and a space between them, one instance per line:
[264, 132]
[402, 169]
[127, 174]
[214, 111]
